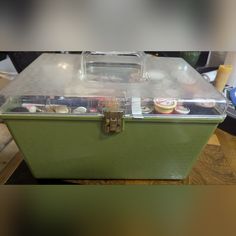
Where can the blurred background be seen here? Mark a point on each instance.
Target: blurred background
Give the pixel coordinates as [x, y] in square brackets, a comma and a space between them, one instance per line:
[198, 59]
[117, 25]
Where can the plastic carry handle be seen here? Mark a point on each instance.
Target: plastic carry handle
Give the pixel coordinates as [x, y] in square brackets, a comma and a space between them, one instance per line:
[112, 57]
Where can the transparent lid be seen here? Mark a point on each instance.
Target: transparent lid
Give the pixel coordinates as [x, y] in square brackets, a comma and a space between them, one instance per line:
[138, 84]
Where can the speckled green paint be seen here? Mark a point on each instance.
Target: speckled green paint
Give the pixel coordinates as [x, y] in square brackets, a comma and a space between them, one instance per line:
[75, 147]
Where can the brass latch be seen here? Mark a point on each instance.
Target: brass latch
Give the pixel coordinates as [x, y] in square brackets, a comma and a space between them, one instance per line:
[113, 122]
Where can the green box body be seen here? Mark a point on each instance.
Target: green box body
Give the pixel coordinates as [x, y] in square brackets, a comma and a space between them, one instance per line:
[72, 147]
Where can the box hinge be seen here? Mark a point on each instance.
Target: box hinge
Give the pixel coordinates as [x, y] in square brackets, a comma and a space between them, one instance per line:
[113, 122]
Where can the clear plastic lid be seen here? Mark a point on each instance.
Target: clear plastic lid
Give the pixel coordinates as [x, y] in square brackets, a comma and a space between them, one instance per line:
[138, 84]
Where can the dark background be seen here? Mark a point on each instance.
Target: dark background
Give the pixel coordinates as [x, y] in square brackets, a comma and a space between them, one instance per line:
[22, 59]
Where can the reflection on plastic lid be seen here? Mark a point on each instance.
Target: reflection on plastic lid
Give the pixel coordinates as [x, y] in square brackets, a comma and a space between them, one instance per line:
[63, 65]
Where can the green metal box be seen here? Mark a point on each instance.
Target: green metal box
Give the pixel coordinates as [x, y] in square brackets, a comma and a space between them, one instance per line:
[152, 127]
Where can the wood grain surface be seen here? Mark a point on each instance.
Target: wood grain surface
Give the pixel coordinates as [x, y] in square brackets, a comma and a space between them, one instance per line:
[10, 167]
[7, 154]
[5, 136]
[228, 145]
[212, 168]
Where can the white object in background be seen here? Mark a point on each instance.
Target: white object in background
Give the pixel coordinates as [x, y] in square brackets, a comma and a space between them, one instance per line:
[7, 65]
[231, 60]
[7, 69]
[210, 76]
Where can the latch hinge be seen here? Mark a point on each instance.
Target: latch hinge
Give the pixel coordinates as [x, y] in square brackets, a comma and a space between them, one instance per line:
[113, 122]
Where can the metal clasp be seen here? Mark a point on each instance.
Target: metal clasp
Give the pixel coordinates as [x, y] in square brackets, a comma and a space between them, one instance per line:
[113, 122]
